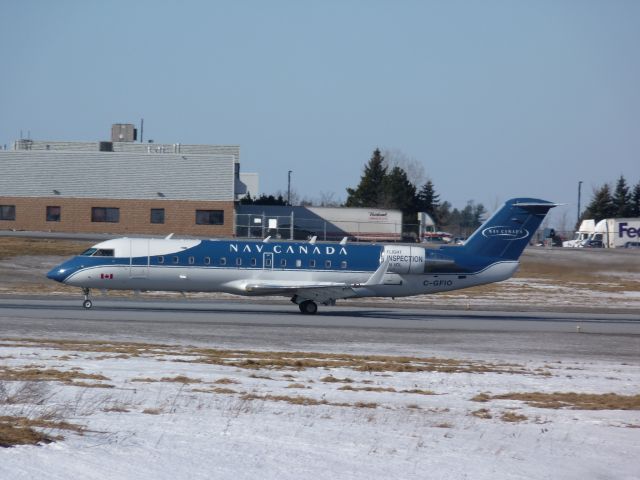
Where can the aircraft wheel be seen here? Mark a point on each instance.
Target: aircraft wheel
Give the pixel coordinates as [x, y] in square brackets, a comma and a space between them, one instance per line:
[87, 304]
[308, 307]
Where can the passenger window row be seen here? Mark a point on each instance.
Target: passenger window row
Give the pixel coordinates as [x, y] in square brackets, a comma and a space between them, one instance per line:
[222, 261]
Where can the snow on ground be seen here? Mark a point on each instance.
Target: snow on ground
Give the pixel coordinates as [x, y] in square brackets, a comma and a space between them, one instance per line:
[248, 415]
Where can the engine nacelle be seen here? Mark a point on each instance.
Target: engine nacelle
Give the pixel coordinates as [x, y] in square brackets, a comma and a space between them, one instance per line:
[404, 259]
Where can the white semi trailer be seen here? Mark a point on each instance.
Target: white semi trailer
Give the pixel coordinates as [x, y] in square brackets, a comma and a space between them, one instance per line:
[617, 232]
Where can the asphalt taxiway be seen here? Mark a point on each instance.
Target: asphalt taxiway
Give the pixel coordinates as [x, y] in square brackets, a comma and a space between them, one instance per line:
[371, 330]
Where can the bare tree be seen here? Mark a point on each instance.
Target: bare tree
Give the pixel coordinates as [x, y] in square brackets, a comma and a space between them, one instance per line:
[394, 157]
[328, 199]
[295, 197]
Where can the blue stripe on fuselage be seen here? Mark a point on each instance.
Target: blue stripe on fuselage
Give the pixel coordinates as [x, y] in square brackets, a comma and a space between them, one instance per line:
[296, 256]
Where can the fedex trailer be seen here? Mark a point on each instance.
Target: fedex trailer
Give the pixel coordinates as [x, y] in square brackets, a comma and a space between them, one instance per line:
[617, 232]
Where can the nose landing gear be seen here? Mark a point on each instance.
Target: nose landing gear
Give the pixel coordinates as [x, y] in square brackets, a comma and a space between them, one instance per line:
[87, 301]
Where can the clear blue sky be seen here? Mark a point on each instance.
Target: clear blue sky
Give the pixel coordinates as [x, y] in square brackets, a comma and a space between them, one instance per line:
[495, 98]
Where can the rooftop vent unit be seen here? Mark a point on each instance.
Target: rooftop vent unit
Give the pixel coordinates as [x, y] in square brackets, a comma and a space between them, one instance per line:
[123, 132]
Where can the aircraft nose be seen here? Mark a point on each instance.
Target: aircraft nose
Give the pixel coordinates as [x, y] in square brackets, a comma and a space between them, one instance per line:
[58, 274]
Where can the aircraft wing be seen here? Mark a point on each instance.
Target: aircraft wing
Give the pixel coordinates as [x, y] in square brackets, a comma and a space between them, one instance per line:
[318, 291]
[271, 287]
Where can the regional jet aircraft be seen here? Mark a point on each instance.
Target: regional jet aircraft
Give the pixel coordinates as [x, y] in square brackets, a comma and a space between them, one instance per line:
[309, 273]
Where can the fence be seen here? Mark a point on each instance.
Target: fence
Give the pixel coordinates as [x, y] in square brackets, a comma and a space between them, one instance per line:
[296, 228]
[290, 227]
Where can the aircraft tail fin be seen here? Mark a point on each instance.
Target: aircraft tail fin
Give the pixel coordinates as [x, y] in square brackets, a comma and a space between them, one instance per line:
[508, 231]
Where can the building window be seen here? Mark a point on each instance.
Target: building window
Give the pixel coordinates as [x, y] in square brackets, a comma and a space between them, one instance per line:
[157, 215]
[210, 217]
[53, 214]
[105, 214]
[7, 212]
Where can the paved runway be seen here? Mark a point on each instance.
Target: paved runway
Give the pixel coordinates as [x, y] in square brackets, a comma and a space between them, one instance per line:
[374, 329]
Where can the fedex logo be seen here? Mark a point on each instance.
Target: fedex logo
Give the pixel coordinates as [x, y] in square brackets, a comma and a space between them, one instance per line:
[630, 231]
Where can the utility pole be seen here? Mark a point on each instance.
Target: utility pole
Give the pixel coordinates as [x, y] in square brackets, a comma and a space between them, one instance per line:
[289, 188]
[579, 192]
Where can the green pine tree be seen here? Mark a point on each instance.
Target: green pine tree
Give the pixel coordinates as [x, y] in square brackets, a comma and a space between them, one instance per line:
[370, 191]
[622, 199]
[428, 201]
[635, 201]
[601, 205]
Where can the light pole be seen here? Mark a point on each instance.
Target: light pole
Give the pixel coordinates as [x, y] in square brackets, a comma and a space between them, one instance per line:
[579, 192]
[289, 188]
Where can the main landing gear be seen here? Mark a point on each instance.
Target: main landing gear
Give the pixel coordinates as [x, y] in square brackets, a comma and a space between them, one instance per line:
[87, 301]
[308, 307]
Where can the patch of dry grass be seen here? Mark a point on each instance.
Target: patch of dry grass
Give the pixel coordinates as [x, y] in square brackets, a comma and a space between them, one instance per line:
[260, 360]
[14, 246]
[221, 390]
[152, 411]
[89, 385]
[332, 379]
[443, 425]
[575, 401]
[481, 397]
[181, 379]
[513, 417]
[418, 391]
[97, 346]
[296, 385]
[368, 389]
[116, 409]
[22, 430]
[68, 377]
[365, 405]
[226, 381]
[482, 413]
[297, 400]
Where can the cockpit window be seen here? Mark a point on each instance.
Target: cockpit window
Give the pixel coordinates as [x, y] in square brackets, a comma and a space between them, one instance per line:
[98, 252]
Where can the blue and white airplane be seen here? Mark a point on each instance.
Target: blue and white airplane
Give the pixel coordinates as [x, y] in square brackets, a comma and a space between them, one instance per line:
[309, 273]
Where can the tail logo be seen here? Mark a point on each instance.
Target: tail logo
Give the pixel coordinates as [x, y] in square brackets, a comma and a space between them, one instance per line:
[505, 233]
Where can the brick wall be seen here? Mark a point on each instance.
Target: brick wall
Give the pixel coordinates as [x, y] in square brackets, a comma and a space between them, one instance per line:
[135, 216]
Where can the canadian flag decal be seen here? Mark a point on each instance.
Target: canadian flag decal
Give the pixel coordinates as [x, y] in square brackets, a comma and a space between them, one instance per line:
[106, 276]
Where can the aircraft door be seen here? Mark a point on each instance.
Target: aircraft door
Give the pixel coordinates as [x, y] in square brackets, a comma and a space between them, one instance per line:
[139, 257]
[267, 261]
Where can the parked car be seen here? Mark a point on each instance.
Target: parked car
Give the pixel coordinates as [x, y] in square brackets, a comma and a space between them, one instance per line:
[284, 231]
[593, 244]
